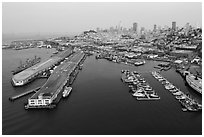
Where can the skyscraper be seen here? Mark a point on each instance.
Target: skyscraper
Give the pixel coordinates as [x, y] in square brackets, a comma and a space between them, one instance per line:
[135, 27]
[173, 25]
[155, 27]
[142, 30]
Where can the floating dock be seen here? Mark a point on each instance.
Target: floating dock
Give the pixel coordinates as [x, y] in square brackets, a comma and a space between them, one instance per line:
[138, 85]
[187, 102]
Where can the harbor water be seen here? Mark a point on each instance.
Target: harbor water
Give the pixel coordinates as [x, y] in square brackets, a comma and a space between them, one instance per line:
[100, 103]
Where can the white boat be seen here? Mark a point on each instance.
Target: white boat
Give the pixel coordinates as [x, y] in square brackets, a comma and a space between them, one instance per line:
[169, 86]
[66, 91]
[136, 94]
[194, 82]
[173, 90]
[139, 63]
[153, 96]
[178, 93]
[181, 97]
[140, 90]
[161, 79]
[148, 89]
[165, 82]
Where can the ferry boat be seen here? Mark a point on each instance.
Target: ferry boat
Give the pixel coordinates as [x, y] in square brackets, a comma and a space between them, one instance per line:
[66, 91]
[29, 63]
[193, 81]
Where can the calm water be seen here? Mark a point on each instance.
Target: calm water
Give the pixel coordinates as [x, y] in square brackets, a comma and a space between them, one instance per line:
[99, 103]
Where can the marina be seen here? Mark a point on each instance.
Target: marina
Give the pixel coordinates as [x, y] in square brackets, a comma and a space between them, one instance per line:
[137, 84]
[185, 100]
[98, 84]
[69, 70]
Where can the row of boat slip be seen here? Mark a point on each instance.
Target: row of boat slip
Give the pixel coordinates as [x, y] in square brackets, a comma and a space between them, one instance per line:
[187, 102]
[138, 86]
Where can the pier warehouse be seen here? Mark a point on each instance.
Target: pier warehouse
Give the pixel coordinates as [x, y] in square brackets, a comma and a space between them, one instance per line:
[56, 82]
[29, 74]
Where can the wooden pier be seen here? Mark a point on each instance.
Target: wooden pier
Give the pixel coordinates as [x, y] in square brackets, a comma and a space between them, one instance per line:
[24, 94]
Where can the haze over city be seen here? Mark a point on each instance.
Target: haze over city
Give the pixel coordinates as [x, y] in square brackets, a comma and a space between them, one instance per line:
[102, 68]
[73, 18]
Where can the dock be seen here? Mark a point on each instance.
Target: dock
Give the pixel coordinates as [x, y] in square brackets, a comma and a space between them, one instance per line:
[185, 100]
[64, 74]
[24, 94]
[33, 72]
[137, 84]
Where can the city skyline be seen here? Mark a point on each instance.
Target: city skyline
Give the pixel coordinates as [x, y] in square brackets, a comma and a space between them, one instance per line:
[63, 18]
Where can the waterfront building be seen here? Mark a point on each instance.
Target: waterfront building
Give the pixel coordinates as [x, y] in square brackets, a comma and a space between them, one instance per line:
[181, 53]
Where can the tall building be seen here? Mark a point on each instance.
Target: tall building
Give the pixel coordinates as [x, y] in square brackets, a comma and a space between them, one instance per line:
[135, 27]
[142, 30]
[173, 25]
[97, 29]
[155, 27]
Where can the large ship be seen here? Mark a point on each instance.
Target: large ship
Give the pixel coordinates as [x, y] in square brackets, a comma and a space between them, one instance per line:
[193, 81]
[27, 64]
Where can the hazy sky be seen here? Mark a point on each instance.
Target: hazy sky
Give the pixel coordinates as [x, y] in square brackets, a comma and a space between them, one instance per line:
[77, 17]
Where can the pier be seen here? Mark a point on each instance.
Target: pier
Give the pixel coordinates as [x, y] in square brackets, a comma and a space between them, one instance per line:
[138, 85]
[63, 75]
[33, 72]
[24, 94]
[188, 103]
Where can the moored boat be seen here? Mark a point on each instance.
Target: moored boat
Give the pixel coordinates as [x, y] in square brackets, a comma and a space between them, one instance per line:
[29, 63]
[66, 91]
[194, 81]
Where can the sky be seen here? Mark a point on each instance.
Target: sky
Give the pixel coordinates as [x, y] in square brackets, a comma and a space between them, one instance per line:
[64, 18]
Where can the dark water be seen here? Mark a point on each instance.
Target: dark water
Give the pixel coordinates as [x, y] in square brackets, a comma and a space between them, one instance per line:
[99, 103]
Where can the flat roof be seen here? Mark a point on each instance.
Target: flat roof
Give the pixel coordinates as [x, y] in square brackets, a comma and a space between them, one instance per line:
[181, 51]
[40, 66]
[59, 75]
[34, 69]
